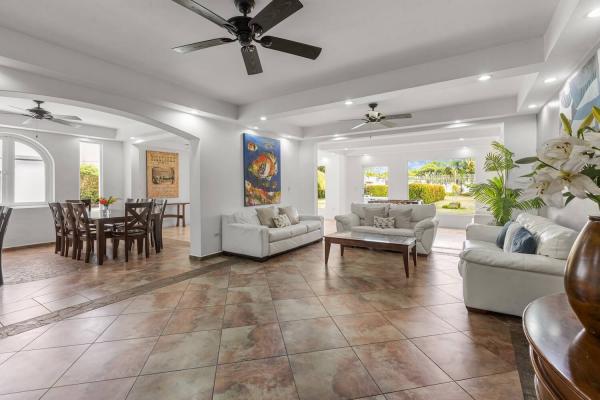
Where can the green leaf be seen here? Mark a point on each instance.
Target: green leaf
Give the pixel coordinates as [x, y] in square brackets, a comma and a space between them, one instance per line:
[527, 160]
[530, 175]
[596, 113]
[585, 124]
[566, 124]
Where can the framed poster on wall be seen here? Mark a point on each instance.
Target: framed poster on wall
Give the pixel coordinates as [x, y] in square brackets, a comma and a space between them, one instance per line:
[262, 170]
[162, 174]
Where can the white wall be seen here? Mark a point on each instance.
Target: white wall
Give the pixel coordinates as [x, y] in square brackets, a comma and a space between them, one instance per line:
[31, 225]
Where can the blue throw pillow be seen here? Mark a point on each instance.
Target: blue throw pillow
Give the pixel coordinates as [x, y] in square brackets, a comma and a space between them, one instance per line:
[502, 235]
[523, 242]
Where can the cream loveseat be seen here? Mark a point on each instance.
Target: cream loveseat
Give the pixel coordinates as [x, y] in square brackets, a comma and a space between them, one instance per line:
[422, 225]
[501, 281]
[243, 234]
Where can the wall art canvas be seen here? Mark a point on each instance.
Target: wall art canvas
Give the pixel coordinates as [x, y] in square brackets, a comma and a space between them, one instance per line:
[581, 92]
[262, 170]
[162, 174]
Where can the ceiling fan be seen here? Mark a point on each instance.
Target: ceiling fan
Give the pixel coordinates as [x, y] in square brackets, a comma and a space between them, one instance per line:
[375, 117]
[248, 30]
[38, 112]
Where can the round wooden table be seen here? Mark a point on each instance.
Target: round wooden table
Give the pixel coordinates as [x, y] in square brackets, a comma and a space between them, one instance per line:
[566, 360]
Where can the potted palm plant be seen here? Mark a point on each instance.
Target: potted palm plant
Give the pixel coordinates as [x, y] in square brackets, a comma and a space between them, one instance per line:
[499, 199]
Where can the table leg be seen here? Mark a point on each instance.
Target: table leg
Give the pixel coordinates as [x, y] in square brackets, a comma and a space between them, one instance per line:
[342, 250]
[100, 241]
[177, 215]
[157, 234]
[405, 258]
[327, 249]
[414, 256]
[183, 215]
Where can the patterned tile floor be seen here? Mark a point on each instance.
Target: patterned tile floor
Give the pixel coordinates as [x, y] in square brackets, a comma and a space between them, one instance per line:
[284, 329]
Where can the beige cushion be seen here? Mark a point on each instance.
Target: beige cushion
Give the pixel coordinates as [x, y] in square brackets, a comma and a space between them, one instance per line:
[371, 213]
[246, 216]
[311, 225]
[359, 209]
[292, 213]
[383, 223]
[390, 232]
[401, 217]
[277, 234]
[419, 211]
[266, 215]
[281, 221]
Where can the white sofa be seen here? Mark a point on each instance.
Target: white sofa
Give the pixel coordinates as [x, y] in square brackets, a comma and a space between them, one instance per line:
[242, 234]
[423, 224]
[504, 282]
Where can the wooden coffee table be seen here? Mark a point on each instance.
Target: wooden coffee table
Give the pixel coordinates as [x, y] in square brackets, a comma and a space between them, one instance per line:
[404, 245]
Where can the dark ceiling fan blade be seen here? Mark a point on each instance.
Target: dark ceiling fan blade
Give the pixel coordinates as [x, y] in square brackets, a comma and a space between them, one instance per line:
[251, 59]
[19, 108]
[206, 13]
[387, 124]
[69, 117]
[4, 112]
[291, 47]
[274, 12]
[398, 116]
[358, 126]
[188, 48]
[63, 122]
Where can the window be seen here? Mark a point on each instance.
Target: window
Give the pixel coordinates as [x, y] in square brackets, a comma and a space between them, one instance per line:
[375, 183]
[26, 172]
[89, 171]
[444, 183]
[321, 185]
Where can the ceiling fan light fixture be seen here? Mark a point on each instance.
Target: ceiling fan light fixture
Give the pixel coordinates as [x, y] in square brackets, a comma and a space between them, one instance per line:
[550, 80]
[263, 118]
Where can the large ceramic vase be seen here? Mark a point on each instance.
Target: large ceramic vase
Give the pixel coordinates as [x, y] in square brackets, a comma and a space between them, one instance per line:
[582, 278]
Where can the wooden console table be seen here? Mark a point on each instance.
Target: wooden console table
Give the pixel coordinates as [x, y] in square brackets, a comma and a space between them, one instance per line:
[180, 214]
[566, 360]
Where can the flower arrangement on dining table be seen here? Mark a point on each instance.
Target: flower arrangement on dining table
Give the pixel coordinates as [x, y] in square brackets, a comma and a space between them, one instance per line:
[107, 201]
[567, 167]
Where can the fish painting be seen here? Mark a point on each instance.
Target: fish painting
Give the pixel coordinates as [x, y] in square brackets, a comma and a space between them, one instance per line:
[262, 170]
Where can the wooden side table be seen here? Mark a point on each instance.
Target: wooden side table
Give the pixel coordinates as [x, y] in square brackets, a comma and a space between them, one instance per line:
[566, 360]
[180, 213]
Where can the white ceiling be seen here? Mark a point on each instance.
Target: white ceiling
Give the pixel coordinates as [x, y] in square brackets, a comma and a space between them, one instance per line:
[359, 38]
[415, 99]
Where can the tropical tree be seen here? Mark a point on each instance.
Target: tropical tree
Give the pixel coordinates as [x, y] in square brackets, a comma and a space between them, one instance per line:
[499, 199]
[89, 176]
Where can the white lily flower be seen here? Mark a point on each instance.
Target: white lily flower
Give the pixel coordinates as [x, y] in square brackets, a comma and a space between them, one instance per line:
[547, 187]
[556, 151]
[578, 184]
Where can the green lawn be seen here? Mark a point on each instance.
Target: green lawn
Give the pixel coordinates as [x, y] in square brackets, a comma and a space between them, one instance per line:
[467, 205]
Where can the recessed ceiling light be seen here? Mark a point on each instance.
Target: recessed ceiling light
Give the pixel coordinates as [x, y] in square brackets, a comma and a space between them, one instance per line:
[485, 77]
[254, 127]
[458, 121]
[461, 139]
[550, 80]
[348, 102]
[460, 125]
[263, 118]
[132, 138]
[533, 106]
[345, 149]
[339, 138]
[594, 13]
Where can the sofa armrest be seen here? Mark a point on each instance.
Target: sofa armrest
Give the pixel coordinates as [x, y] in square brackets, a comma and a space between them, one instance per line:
[246, 239]
[346, 222]
[516, 261]
[484, 233]
[424, 225]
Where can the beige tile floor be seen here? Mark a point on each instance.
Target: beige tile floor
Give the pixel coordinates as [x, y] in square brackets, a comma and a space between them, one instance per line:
[284, 329]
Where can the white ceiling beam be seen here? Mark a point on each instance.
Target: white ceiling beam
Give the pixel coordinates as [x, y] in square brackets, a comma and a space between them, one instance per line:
[424, 119]
[29, 54]
[511, 60]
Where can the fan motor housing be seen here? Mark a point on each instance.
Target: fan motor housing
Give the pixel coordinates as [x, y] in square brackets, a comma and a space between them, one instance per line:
[245, 6]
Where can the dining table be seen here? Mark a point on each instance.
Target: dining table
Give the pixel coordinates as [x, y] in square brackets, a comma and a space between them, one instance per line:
[102, 218]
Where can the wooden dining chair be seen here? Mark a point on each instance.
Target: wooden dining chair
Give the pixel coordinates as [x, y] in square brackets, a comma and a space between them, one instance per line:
[70, 231]
[4, 217]
[59, 227]
[87, 202]
[86, 232]
[160, 207]
[135, 228]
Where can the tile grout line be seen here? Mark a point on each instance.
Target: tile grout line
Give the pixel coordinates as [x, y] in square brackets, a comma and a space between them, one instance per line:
[36, 322]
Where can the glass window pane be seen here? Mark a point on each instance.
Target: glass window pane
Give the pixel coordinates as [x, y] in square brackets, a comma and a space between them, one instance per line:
[375, 183]
[30, 175]
[321, 185]
[89, 171]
